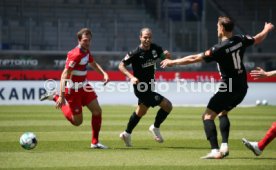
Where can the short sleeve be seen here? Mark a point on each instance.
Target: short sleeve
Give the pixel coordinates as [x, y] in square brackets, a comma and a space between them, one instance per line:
[247, 40]
[159, 51]
[91, 58]
[128, 59]
[71, 61]
[210, 55]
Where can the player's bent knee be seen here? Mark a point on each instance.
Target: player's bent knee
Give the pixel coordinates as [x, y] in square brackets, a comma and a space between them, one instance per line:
[97, 112]
[77, 120]
[167, 105]
[208, 116]
[273, 125]
[77, 123]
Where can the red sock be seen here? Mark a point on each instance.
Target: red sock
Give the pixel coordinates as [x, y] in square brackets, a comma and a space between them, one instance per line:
[55, 97]
[66, 111]
[269, 136]
[96, 122]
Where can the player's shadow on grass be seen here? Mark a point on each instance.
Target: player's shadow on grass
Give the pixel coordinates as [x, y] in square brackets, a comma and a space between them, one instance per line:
[185, 147]
[131, 148]
[251, 158]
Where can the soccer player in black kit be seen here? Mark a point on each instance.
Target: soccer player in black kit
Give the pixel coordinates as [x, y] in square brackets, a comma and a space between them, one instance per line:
[143, 60]
[228, 54]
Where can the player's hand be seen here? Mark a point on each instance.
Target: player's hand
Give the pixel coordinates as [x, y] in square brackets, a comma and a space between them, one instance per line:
[268, 26]
[258, 73]
[105, 79]
[60, 102]
[167, 54]
[166, 63]
[134, 80]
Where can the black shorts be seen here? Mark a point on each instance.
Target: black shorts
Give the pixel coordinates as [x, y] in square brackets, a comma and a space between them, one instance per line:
[149, 98]
[226, 100]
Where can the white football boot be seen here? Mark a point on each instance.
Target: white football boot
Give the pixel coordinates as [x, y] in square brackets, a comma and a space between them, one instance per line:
[126, 137]
[224, 150]
[48, 95]
[214, 154]
[156, 134]
[98, 146]
[253, 146]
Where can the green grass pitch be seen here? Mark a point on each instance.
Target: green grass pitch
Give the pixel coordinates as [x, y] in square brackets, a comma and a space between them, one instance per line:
[63, 146]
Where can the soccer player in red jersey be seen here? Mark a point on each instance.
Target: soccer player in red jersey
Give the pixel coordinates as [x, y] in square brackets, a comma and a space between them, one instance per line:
[258, 147]
[75, 91]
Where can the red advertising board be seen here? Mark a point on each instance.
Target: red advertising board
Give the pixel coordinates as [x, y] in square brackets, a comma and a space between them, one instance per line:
[118, 76]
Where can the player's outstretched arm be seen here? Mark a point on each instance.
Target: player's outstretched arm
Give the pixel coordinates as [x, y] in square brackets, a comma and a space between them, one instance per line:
[124, 70]
[263, 34]
[99, 69]
[65, 76]
[261, 73]
[182, 61]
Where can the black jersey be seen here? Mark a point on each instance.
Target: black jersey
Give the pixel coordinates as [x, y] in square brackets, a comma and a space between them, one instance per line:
[229, 56]
[143, 62]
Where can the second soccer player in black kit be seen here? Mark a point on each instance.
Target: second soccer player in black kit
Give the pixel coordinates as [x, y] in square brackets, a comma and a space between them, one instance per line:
[229, 56]
[143, 60]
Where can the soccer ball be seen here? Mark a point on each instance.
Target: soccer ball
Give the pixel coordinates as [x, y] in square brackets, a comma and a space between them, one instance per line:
[258, 102]
[28, 140]
[264, 102]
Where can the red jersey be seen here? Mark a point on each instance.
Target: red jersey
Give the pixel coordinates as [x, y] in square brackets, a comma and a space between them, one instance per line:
[77, 61]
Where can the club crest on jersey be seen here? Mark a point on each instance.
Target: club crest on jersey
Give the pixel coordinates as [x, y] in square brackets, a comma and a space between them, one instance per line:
[154, 53]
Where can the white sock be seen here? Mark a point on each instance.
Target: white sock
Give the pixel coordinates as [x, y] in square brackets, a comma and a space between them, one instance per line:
[223, 145]
[214, 150]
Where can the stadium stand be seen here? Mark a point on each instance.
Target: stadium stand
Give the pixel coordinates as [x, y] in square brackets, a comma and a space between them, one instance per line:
[250, 17]
[39, 25]
[51, 25]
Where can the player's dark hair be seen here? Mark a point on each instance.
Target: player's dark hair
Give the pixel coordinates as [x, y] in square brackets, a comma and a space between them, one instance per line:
[144, 29]
[227, 23]
[84, 31]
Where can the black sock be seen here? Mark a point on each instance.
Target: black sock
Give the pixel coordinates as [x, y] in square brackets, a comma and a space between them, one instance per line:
[224, 128]
[160, 117]
[133, 121]
[211, 133]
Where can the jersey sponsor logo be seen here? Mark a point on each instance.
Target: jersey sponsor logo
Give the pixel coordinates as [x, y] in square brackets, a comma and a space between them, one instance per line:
[72, 64]
[142, 57]
[148, 63]
[154, 53]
